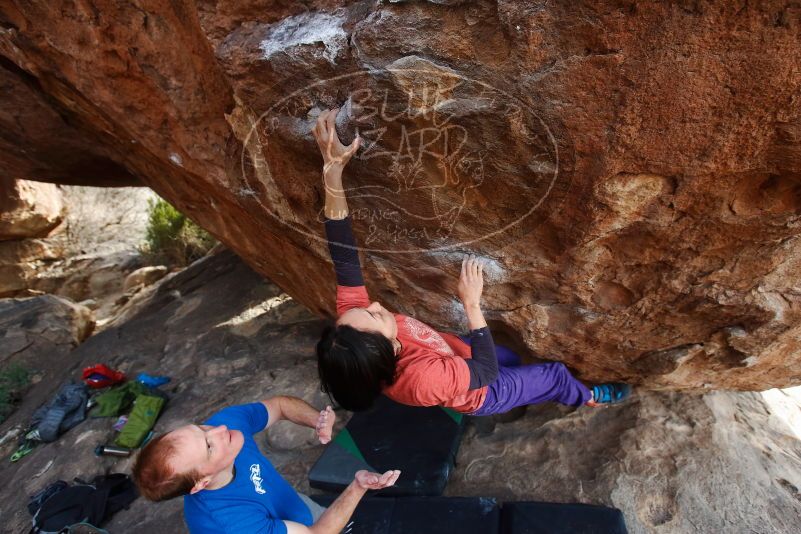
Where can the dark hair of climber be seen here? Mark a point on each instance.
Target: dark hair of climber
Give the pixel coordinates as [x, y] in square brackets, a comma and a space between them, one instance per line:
[371, 351]
[347, 357]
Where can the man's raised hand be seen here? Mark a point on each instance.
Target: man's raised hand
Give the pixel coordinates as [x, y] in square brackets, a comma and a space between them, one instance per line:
[335, 154]
[325, 425]
[374, 481]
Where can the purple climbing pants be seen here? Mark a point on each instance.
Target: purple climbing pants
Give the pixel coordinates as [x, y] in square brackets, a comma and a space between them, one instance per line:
[519, 385]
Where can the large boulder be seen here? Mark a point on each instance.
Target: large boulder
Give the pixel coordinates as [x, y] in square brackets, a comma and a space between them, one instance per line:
[28, 250]
[144, 276]
[97, 277]
[41, 328]
[28, 209]
[630, 170]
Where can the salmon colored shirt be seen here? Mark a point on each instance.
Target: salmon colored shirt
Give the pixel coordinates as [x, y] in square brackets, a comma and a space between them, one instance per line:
[431, 370]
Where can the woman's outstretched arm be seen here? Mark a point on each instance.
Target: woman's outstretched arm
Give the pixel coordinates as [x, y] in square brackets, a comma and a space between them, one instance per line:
[338, 230]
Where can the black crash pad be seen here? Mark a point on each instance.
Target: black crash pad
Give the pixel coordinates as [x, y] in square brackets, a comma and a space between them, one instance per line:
[421, 515]
[421, 442]
[552, 518]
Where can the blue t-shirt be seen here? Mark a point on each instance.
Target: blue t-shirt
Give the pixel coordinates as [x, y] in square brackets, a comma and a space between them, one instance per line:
[258, 500]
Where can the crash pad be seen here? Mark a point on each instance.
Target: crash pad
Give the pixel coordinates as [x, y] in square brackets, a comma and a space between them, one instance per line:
[421, 442]
[557, 518]
[421, 515]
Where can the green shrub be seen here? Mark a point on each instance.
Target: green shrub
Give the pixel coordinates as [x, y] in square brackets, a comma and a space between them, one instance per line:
[13, 381]
[172, 238]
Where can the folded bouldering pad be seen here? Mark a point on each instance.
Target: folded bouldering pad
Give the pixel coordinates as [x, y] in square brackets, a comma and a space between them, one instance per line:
[421, 515]
[553, 518]
[421, 442]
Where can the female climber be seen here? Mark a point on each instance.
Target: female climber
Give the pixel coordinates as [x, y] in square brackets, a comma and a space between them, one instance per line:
[372, 351]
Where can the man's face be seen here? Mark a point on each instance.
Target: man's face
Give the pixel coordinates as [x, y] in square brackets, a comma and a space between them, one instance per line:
[207, 449]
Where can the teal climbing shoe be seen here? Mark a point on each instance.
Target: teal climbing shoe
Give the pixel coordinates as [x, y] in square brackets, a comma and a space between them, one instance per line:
[610, 393]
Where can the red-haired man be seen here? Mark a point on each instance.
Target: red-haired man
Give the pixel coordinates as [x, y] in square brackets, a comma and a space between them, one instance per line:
[229, 486]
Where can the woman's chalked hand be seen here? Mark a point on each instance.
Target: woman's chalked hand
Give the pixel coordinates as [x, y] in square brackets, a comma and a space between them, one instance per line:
[471, 281]
[335, 154]
[325, 425]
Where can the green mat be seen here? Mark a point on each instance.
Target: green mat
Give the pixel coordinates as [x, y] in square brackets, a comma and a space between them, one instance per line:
[141, 419]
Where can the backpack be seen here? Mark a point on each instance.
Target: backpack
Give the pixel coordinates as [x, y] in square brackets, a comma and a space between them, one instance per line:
[84, 503]
[36, 501]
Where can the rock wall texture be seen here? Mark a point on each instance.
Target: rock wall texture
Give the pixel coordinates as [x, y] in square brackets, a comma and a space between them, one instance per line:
[104, 230]
[28, 209]
[20, 264]
[673, 463]
[42, 328]
[630, 169]
[87, 257]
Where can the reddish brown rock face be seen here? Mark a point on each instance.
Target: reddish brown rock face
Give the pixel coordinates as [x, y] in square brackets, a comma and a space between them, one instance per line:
[631, 171]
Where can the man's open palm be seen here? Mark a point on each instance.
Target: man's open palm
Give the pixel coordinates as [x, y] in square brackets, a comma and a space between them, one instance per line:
[374, 481]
